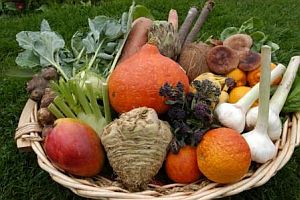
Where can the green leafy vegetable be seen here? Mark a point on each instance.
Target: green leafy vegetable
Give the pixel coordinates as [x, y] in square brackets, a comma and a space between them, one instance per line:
[99, 49]
[41, 48]
[95, 50]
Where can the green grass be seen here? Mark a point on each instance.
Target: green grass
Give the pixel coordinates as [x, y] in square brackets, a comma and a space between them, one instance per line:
[20, 176]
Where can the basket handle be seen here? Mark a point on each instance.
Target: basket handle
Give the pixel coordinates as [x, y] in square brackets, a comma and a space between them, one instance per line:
[27, 124]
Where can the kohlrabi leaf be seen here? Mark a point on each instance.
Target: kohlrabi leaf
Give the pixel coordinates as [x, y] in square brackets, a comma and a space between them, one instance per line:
[113, 29]
[43, 46]
[124, 20]
[105, 56]
[110, 47]
[122, 41]
[26, 39]
[90, 43]
[142, 11]
[27, 59]
[104, 41]
[45, 26]
[47, 47]
[76, 43]
[228, 32]
[98, 23]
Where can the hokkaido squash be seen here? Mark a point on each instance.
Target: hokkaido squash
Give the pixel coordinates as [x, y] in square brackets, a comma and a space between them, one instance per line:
[137, 80]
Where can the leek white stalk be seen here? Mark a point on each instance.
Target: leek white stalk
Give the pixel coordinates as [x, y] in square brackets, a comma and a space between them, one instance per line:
[233, 115]
[261, 147]
[277, 101]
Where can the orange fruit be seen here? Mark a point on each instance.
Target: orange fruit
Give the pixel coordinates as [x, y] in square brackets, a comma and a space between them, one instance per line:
[253, 77]
[238, 76]
[223, 155]
[237, 93]
[183, 167]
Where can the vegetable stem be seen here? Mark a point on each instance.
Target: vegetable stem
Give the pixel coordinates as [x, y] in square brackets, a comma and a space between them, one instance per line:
[63, 107]
[264, 90]
[81, 98]
[55, 111]
[95, 55]
[200, 21]
[93, 101]
[64, 90]
[185, 27]
[283, 89]
[249, 98]
[77, 60]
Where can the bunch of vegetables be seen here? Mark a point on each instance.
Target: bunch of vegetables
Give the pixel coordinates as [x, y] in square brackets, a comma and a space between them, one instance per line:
[180, 104]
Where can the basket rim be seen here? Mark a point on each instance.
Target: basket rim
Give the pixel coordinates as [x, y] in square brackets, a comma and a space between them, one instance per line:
[28, 131]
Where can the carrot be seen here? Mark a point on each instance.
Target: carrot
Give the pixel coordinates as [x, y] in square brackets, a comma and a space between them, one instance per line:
[138, 36]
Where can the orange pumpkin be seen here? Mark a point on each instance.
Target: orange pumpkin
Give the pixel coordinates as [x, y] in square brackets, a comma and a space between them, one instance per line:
[137, 80]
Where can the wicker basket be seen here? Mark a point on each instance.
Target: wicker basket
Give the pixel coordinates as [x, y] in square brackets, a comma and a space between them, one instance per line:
[27, 136]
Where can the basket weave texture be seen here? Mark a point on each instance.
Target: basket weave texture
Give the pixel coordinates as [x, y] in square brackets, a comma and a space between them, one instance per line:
[102, 188]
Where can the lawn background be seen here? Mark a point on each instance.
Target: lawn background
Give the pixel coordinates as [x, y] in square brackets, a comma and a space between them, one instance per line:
[20, 176]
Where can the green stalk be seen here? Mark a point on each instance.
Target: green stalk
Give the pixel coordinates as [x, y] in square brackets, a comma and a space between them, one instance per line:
[77, 61]
[79, 93]
[106, 103]
[59, 102]
[95, 55]
[55, 111]
[63, 90]
[79, 55]
[66, 92]
[93, 101]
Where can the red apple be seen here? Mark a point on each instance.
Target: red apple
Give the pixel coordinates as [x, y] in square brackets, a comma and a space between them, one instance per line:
[74, 147]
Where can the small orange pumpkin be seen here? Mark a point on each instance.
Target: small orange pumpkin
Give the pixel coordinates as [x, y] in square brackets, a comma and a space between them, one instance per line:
[137, 80]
